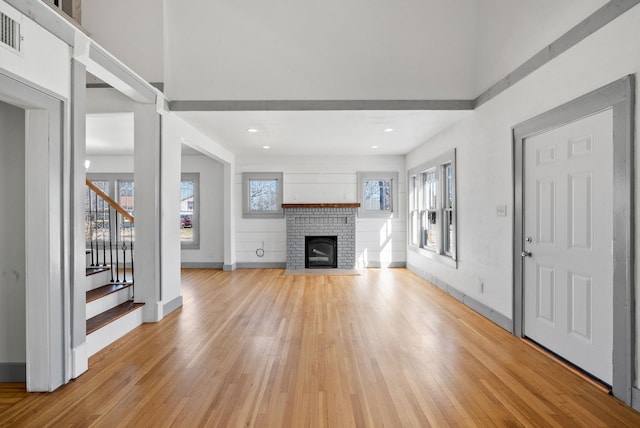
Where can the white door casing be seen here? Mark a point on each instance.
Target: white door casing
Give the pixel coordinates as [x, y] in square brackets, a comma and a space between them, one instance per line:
[567, 200]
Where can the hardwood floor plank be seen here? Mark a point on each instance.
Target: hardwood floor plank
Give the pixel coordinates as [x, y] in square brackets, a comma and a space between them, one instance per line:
[260, 348]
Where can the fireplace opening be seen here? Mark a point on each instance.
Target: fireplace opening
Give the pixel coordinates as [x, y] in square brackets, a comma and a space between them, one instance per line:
[321, 252]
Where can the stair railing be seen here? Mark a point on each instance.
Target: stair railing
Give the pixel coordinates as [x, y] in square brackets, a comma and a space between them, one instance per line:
[110, 233]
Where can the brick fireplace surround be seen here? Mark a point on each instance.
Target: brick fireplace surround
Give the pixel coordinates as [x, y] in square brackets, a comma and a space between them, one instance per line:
[321, 220]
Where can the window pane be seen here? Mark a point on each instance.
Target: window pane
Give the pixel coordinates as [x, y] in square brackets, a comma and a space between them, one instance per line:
[414, 221]
[126, 201]
[186, 210]
[448, 174]
[448, 231]
[430, 229]
[96, 213]
[430, 190]
[377, 195]
[263, 195]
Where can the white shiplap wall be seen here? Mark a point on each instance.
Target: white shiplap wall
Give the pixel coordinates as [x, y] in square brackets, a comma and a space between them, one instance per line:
[313, 179]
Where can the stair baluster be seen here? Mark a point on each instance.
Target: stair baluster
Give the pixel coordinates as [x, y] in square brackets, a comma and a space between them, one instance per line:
[111, 244]
[92, 218]
[95, 222]
[117, 251]
[131, 256]
[105, 215]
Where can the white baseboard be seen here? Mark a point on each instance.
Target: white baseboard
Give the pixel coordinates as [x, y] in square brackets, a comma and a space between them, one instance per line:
[80, 362]
[172, 305]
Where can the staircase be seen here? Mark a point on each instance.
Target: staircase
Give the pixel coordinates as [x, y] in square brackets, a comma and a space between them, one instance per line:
[111, 311]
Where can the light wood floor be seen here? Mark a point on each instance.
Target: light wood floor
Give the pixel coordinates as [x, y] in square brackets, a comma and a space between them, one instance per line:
[258, 348]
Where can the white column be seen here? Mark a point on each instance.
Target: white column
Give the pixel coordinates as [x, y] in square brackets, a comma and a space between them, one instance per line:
[147, 210]
[229, 218]
[80, 358]
[170, 203]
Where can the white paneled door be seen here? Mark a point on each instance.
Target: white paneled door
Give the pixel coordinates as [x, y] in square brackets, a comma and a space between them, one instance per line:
[568, 232]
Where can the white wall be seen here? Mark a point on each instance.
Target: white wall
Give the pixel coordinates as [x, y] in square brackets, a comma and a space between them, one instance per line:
[130, 30]
[108, 100]
[512, 31]
[334, 49]
[112, 163]
[211, 210]
[483, 142]
[12, 236]
[317, 180]
[44, 60]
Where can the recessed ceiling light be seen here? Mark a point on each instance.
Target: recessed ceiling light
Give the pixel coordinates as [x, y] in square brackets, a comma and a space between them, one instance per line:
[266, 147]
[252, 130]
[375, 147]
[388, 130]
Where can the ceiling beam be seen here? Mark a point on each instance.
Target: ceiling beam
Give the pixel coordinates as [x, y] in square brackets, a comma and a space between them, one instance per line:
[318, 105]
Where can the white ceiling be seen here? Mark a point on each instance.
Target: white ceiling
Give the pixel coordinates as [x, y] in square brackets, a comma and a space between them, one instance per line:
[307, 133]
[322, 133]
[330, 50]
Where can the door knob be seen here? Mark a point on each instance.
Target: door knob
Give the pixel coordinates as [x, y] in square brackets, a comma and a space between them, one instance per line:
[526, 253]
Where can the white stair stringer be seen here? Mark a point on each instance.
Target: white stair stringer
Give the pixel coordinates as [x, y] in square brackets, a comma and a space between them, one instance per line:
[111, 332]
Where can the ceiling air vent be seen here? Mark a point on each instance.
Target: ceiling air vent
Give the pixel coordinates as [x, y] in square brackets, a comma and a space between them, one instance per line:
[10, 33]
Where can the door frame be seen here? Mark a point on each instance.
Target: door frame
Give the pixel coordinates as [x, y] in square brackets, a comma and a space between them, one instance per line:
[620, 97]
[47, 232]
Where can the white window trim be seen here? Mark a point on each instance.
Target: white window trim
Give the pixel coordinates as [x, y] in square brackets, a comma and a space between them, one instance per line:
[195, 218]
[384, 175]
[246, 178]
[436, 164]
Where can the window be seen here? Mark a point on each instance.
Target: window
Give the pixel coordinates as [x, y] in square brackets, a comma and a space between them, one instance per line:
[189, 211]
[262, 194]
[432, 205]
[377, 193]
[120, 187]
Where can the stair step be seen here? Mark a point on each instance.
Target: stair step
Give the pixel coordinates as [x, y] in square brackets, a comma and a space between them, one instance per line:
[111, 315]
[105, 290]
[97, 269]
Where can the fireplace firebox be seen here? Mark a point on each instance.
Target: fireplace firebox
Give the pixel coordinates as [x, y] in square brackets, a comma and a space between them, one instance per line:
[321, 252]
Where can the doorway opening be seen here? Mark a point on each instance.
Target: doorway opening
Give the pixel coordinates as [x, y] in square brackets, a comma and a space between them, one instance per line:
[13, 328]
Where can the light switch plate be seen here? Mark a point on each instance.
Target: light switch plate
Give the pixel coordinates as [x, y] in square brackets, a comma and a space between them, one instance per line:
[501, 210]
